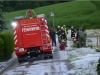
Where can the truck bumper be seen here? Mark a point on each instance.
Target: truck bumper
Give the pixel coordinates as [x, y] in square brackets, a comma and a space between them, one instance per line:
[20, 53]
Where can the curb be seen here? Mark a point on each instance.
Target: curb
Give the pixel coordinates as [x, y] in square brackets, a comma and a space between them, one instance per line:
[5, 65]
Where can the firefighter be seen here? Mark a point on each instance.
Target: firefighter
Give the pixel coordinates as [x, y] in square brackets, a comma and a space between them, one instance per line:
[81, 37]
[65, 29]
[72, 32]
[58, 28]
[53, 36]
[66, 32]
[50, 30]
[58, 33]
[63, 35]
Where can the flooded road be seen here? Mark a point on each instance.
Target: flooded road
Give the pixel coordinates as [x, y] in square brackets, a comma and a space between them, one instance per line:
[59, 65]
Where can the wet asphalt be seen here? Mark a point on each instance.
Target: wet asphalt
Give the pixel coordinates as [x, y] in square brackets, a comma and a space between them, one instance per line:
[59, 65]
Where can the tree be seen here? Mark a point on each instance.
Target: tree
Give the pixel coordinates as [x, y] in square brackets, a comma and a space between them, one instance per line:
[2, 20]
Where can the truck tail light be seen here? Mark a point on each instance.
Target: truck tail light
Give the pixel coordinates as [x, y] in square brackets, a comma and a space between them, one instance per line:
[15, 44]
[41, 19]
[49, 39]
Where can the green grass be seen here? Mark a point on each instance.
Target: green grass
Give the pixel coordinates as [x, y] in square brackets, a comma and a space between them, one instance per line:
[76, 13]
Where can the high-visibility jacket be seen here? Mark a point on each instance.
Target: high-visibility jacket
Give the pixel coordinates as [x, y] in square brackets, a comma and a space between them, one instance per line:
[65, 29]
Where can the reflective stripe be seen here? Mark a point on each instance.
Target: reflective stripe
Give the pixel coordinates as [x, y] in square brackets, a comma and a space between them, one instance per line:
[62, 33]
[46, 21]
[16, 40]
[14, 32]
[15, 37]
[47, 31]
[46, 26]
[47, 35]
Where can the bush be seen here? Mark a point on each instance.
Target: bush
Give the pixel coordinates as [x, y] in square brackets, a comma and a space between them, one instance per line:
[91, 46]
[74, 45]
[8, 44]
[98, 67]
[1, 49]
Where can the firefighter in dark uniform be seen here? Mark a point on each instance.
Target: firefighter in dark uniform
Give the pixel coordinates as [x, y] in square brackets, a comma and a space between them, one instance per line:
[58, 33]
[58, 28]
[50, 30]
[63, 35]
[53, 36]
[72, 32]
[81, 37]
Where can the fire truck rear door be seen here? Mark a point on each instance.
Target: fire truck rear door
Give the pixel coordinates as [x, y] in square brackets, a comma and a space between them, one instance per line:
[31, 35]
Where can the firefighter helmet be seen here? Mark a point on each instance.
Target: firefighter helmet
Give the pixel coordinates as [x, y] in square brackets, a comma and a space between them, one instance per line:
[62, 28]
[58, 26]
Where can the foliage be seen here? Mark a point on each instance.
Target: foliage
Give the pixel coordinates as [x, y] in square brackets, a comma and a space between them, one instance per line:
[91, 46]
[8, 44]
[74, 45]
[2, 20]
[10, 6]
[1, 49]
[97, 4]
[98, 67]
[97, 49]
[76, 13]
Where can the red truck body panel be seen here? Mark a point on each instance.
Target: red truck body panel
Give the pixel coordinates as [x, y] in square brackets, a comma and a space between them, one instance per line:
[30, 33]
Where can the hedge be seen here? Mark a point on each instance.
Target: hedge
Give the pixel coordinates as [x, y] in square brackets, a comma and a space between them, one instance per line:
[7, 37]
[1, 49]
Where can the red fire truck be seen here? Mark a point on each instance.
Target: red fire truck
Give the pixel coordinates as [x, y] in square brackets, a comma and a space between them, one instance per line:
[31, 37]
